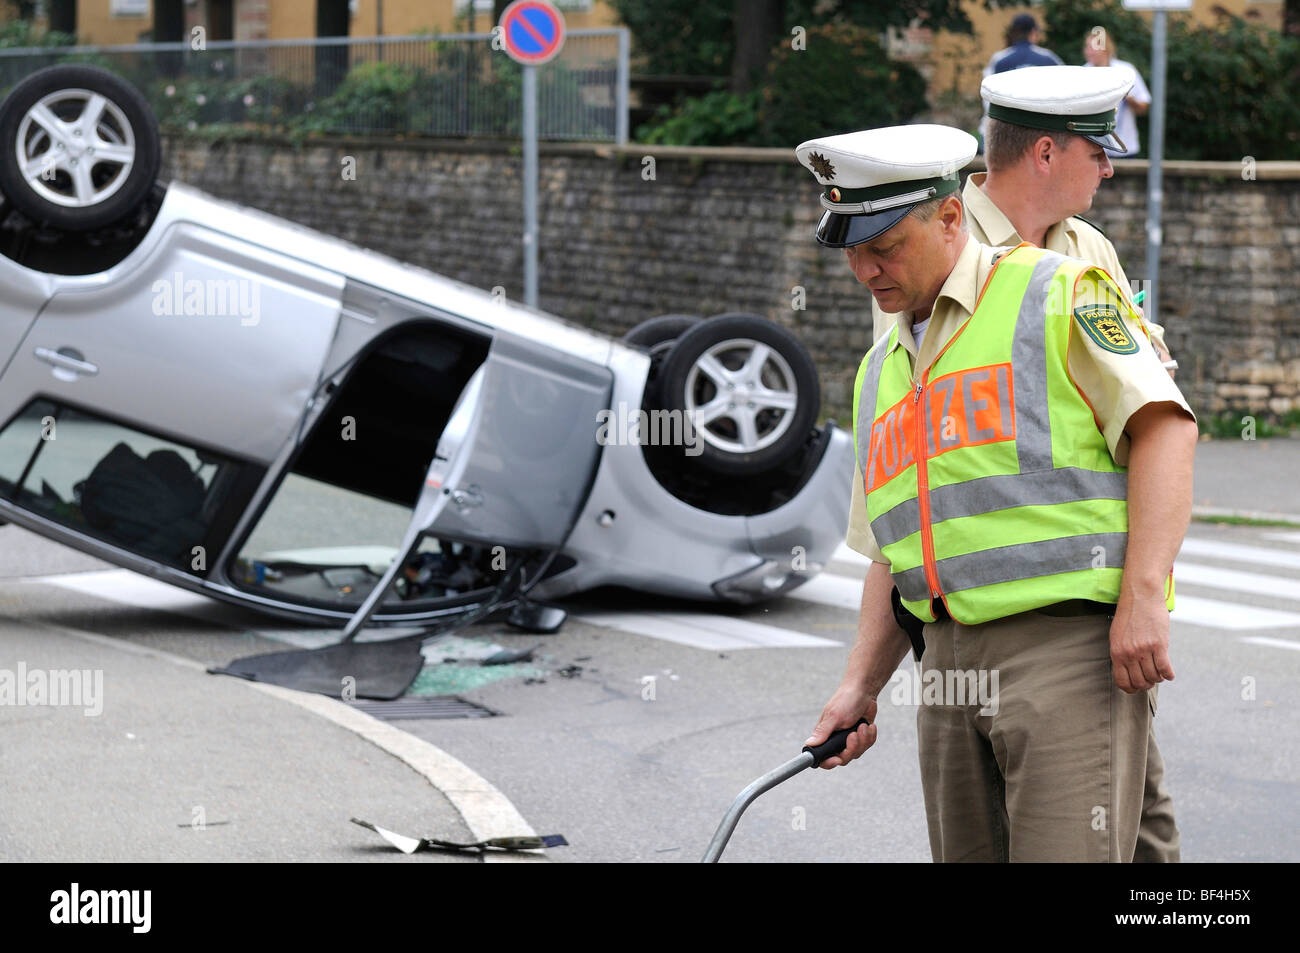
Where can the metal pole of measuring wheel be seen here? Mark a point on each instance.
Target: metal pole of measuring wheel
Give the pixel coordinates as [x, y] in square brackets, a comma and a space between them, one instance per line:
[747, 796]
[530, 186]
[810, 757]
[1155, 184]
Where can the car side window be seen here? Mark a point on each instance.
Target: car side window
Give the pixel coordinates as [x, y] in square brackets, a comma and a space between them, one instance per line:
[327, 545]
[154, 497]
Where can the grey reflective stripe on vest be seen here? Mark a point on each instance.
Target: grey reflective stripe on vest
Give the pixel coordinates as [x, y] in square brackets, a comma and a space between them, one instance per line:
[1029, 368]
[992, 493]
[989, 567]
[867, 394]
[891, 526]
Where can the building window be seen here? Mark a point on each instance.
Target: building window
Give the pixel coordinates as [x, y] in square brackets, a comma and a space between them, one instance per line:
[128, 8]
[485, 6]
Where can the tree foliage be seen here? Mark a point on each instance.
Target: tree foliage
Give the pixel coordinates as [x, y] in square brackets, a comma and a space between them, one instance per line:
[843, 80]
[699, 39]
[1229, 87]
[679, 37]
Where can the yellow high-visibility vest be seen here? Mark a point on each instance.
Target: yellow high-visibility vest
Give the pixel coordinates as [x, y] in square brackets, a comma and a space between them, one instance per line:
[989, 485]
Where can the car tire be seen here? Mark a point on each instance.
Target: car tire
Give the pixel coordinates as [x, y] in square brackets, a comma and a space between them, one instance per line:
[61, 166]
[771, 372]
[657, 334]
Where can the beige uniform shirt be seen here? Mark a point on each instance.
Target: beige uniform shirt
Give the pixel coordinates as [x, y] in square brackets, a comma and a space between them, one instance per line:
[1073, 237]
[1115, 385]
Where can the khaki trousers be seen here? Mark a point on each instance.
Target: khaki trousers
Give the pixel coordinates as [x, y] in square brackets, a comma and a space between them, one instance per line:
[1054, 767]
[1158, 838]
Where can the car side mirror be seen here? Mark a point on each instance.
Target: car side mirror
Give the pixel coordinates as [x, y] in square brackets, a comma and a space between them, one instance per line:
[536, 617]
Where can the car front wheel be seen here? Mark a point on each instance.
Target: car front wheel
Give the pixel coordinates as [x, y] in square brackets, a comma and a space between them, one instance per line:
[79, 147]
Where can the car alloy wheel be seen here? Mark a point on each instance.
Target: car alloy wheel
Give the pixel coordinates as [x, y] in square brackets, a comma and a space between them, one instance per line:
[749, 389]
[80, 147]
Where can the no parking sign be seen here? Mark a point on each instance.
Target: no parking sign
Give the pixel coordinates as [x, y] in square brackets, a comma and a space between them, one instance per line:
[533, 31]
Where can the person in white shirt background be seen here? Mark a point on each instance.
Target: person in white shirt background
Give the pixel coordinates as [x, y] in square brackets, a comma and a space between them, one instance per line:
[1099, 50]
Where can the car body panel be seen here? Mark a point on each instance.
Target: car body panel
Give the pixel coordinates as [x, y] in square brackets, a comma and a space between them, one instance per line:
[25, 293]
[531, 448]
[228, 374]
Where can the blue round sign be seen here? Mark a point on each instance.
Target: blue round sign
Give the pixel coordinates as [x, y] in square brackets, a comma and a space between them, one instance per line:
[533, 31]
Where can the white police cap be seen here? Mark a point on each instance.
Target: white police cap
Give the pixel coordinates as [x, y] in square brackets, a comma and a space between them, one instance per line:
[872, 178]
[1078, 99]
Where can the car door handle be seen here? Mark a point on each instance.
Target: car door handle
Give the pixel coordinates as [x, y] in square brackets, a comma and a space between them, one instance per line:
[466, 498]
[69, 361]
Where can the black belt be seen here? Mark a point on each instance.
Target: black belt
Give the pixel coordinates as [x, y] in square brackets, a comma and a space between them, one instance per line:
[1071, 607]
[914, 626]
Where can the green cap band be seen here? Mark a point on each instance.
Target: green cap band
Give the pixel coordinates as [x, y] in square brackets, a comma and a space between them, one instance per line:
[1097, 124]
[942, 185]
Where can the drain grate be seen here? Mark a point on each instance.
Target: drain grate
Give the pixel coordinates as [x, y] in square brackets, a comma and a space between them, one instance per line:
[433, 706]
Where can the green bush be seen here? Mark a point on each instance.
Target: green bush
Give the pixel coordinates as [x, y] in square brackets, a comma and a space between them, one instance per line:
[23, 33]
[267, 102]
[843, 81]
[1229, 87]
[497, 105]
[401, 98]
[373, 97]
[719, 118]
[1232, 93]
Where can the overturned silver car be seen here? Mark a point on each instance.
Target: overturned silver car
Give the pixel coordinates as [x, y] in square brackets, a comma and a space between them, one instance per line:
[251, 410]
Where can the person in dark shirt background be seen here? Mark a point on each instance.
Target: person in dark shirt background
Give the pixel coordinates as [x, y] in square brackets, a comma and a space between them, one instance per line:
[1022, 49]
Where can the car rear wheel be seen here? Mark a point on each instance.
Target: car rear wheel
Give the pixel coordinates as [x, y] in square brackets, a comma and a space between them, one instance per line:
[658, 334]
[79, 147]
[749, 388]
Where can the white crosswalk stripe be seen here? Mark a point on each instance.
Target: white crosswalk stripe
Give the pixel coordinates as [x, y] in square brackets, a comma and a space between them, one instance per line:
[1230, 615]
[845, 555]
[698, 629]
[1209, 604]
[704, 631]
[831, 589]
[1229, 598]
[131, 589]
[1210, 596]
[1240, 553]
[1275, 643]
[1232, 580]
[846, 593]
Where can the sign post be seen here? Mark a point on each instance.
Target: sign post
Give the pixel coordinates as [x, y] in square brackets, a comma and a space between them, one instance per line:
[1156, 144]
[533, 33]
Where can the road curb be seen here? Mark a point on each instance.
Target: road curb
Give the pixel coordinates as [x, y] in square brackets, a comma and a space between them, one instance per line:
[484, 809]
[1213, 512]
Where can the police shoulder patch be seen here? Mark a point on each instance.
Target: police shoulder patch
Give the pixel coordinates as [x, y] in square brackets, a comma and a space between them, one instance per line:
[1107, 328]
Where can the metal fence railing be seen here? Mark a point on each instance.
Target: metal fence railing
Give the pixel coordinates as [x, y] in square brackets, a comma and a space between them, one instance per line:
[445, 85]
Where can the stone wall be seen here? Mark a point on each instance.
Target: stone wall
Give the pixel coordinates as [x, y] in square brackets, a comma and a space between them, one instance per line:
[702, 231]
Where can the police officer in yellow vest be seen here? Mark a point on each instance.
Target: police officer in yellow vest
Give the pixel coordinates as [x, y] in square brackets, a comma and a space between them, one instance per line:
[1043, 169]
[1026, 482]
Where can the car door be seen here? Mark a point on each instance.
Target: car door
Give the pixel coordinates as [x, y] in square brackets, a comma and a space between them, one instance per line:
[419, 396]
[145, 404]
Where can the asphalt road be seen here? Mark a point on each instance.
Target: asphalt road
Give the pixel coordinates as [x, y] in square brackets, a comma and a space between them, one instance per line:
[630, 732]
